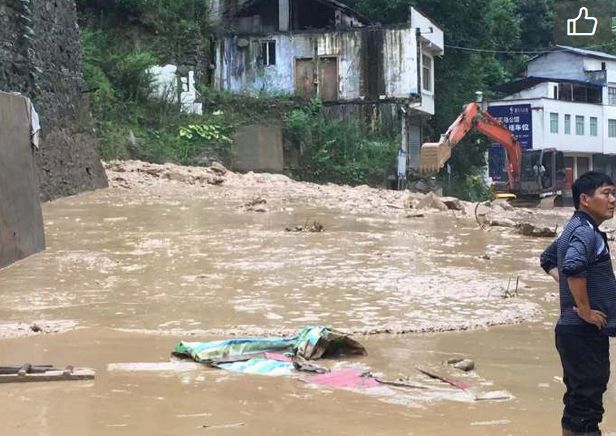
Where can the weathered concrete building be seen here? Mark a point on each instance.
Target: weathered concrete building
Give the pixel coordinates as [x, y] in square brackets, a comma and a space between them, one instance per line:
[323, 48]
[40, 57]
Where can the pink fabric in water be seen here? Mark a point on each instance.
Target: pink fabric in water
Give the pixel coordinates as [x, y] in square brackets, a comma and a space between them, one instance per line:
[278, 357]
[343, 378]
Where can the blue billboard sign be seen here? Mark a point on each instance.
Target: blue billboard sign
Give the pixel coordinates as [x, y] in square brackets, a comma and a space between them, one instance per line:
[517, 118]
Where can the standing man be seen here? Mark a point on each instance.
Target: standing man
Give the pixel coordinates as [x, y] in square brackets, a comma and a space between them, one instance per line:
[580, 261]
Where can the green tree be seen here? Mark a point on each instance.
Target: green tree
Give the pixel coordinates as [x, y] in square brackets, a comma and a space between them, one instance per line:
[536, 23]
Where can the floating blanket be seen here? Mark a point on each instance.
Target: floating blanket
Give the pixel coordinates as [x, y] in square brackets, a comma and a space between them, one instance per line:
[231, 349]
[313, 342]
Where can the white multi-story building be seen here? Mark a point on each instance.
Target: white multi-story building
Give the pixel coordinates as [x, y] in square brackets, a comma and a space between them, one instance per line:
[567, 101]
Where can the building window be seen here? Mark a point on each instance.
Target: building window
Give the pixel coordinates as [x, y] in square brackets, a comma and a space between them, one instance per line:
[426, 62]
[268, 53]
[553, 122]
[579, 125]
[611, 128]
[611, 95]
[555, 90]
[593, 126]
[567, 124]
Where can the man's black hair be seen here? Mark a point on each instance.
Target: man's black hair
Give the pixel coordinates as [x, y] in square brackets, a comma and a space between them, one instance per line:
[588, 183]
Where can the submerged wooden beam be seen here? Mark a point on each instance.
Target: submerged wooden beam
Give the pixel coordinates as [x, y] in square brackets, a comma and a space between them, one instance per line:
[29, 373]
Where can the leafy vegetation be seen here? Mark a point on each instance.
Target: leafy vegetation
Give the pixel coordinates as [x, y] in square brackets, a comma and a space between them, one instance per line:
[339, 152]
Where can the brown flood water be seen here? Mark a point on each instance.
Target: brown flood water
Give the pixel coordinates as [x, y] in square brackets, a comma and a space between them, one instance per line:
[128, 273]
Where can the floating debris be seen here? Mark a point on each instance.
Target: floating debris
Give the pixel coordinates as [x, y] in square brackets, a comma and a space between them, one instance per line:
[528, 229]
[257, 204]
[462, 363]
[42, 373]
[315, 227]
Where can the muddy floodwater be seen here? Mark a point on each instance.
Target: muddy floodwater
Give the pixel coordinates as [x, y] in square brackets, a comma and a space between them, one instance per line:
[131, 270]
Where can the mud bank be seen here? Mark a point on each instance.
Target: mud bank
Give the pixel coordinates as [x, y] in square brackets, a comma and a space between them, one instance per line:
[276, 190]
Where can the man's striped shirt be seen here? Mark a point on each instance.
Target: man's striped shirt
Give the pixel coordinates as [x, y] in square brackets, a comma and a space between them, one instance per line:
[582, 251]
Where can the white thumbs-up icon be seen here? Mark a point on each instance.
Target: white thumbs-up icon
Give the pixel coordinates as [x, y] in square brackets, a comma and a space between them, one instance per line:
[573, 22]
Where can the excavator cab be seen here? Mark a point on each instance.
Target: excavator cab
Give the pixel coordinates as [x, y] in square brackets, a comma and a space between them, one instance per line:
[542, 173]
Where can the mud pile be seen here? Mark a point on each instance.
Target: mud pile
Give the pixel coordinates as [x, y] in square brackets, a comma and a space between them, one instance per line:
[262, 192]
[275, 188]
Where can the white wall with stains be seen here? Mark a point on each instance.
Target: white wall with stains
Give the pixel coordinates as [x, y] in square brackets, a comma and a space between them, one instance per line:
[239, 68]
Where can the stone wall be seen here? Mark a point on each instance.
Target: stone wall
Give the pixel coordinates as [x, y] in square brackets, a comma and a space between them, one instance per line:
[40, 57]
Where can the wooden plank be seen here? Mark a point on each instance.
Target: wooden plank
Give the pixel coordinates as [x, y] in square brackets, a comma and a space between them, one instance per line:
[328, 78]
[304, 78]
[52, 375]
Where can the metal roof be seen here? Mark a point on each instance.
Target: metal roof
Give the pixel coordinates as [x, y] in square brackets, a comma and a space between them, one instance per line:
[528, 82]
[579, 51]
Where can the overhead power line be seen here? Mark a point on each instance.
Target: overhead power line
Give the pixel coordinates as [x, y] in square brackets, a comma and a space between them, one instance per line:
[528, 52]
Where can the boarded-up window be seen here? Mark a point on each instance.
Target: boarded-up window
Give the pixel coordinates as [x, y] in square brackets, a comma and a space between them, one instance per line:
[304, 78]
[268, 53]
[326, 80]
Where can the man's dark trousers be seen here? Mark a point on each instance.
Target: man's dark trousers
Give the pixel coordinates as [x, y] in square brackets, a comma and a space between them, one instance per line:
[586, 367]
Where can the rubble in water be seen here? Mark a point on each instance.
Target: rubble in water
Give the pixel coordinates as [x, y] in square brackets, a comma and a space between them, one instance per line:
[23, 329]
[257, 204]
[315, 227]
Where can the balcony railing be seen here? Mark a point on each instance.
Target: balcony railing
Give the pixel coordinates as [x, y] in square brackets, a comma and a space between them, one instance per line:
[597, 75]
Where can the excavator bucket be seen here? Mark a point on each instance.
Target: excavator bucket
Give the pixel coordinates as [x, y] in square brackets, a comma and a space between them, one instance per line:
[433, 156]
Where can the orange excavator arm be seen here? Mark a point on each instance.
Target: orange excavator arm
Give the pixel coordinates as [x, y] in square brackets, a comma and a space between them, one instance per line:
[434, 155]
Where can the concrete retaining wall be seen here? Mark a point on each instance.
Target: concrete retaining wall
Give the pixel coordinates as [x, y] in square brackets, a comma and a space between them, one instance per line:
[258, 148]
[21, 219]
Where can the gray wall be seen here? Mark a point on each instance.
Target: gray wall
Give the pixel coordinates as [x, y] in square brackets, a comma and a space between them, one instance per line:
[258, 148]
[21, 220]
[558, 65]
